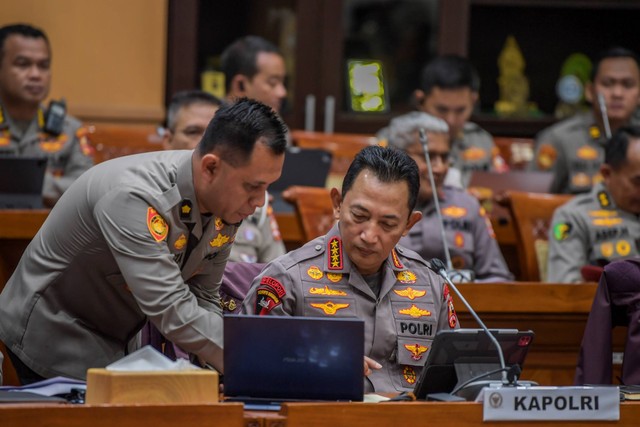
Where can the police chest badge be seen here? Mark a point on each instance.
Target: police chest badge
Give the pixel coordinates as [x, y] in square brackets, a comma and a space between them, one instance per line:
[157, 225]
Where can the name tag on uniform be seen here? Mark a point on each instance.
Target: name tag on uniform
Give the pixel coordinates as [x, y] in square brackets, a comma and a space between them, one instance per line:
[551, 403]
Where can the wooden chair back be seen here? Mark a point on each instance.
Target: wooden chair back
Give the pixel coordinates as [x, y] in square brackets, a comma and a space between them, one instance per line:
[110, 141]
[342, 146]
[314, 209]
[531, 214]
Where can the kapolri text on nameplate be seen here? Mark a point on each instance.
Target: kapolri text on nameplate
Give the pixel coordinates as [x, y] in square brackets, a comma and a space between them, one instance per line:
[551, 403]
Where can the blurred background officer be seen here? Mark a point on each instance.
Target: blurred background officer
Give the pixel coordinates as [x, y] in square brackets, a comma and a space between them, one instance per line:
[574, 148]
[26, 127]
[258, 238]
[469, 234]
[449, 90]
[602, 225]
[254, 68]
[188, 115]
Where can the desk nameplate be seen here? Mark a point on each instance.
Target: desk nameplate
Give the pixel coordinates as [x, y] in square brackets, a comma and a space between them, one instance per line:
[551, 403]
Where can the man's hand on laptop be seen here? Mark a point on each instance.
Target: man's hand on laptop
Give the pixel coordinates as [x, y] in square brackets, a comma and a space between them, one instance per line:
[370, 364]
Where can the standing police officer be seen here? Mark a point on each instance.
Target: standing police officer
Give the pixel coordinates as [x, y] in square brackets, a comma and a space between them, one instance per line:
[136, 238]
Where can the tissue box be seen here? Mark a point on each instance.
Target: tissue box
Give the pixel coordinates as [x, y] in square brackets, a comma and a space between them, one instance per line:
[191, 386]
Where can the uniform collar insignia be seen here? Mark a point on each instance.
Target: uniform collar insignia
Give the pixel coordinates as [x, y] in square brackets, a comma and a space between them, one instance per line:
[335, 259]
[397, 264]
[185, 210]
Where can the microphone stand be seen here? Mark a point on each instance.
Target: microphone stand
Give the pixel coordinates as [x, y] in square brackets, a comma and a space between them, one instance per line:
[605, 116]
[436, 202]
[439, 268]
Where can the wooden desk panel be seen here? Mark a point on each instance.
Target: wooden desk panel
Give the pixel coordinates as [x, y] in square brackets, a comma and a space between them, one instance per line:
[66, 415]
[557, 313]
[417, 414]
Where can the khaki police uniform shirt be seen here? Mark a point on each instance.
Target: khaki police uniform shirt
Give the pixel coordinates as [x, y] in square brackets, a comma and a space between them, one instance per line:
[589, 230]
[469, 234]
[258, 239]
[112, 254]
[573, 150]
[69, 154]
[400, 323]
[472, 150]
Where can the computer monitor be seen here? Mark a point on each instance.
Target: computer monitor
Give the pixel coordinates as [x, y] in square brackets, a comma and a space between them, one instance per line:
[461, 355]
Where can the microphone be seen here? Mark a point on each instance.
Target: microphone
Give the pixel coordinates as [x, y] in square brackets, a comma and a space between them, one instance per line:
[438, 267]
[459, 275]
[605, 116]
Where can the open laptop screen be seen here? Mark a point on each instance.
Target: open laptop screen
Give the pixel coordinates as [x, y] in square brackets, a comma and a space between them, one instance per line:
[293, 358]
[21, 181]
[462, 354]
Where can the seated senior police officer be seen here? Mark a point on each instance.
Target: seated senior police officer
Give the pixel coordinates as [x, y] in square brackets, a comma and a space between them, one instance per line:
[258, 238]
[357, 270]
[26, 127]
[603, 225]
[470, 237]
[136, 238]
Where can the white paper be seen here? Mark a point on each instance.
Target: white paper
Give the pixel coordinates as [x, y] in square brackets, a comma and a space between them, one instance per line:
[149, 359]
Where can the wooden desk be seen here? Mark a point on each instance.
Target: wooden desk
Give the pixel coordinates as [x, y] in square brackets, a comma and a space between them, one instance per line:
[67, 415]
[415, 414]
[557, 313]
[391, 414]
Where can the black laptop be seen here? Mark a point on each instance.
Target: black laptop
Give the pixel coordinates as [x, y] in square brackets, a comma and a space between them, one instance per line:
[308, 167]
[460, 356]
[271, 359]
[21, 181]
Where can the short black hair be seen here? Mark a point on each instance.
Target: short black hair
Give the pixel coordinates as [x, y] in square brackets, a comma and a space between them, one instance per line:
[449, 72]
[186, 98]
[237, 126]
[388, 165]
[613, 52]
[240, 57]
[24, 30]
[615, 152]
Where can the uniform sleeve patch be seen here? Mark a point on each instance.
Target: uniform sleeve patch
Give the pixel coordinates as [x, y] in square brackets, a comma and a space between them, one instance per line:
[268, 295]
[561, 231]
[157, 225]
[274, 284]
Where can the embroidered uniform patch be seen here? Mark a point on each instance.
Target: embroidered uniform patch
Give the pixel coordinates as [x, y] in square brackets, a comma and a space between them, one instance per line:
[157, 225]
[410, 293]
[416, 350]
[329, 308]
[406, 277]
[268, 295]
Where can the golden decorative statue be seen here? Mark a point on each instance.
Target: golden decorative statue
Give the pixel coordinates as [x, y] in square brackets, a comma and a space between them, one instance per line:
[513, 84]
